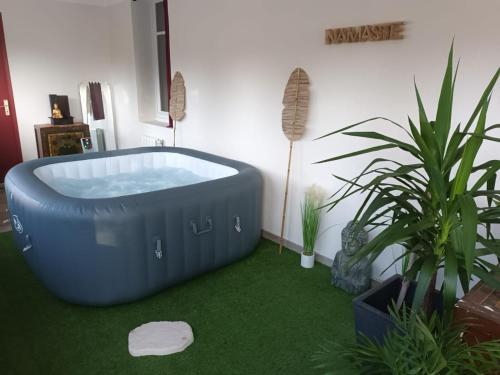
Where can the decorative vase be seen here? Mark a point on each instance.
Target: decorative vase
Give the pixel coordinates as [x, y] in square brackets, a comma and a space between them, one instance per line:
[307, 261]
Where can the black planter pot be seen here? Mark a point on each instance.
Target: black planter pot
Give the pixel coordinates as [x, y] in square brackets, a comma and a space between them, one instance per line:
[371, 313]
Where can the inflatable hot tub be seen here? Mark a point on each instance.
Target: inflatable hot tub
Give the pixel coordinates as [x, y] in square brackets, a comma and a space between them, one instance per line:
[109, 228]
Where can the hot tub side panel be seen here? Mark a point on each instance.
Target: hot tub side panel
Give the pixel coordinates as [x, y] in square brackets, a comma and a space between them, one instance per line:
[212, 230]
[82, 256]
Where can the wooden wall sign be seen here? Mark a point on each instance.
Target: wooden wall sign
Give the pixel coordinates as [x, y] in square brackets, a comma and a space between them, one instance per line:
[366, 33]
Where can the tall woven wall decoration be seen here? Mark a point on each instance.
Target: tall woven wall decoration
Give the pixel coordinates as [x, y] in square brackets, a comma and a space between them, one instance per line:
[294, 118]
[177, 103]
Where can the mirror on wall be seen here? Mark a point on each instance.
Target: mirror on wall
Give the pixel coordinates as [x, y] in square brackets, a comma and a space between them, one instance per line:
[97, 111]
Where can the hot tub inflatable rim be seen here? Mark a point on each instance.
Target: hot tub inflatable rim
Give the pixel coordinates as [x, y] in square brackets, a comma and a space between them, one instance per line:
[21, 179]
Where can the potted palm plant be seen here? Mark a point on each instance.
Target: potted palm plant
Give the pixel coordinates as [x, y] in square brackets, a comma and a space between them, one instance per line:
[439, 206]
[310, 224]
[424, 345]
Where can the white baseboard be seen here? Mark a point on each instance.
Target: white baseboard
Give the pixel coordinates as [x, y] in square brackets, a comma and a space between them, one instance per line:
[295, 247]
[298, 249]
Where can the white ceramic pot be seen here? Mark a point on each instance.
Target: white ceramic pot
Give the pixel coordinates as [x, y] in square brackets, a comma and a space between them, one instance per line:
[307, 261]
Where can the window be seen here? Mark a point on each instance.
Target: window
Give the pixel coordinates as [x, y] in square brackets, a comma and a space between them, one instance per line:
[152, 61]
[161, 60]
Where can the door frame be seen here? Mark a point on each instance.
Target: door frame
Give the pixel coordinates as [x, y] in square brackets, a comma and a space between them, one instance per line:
[12, 106]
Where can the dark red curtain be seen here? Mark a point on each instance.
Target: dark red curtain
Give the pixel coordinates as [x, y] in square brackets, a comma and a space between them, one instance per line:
[96, 100]
[169, 65]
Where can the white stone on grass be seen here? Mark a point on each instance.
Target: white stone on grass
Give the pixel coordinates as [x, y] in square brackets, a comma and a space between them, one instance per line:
[159, 338]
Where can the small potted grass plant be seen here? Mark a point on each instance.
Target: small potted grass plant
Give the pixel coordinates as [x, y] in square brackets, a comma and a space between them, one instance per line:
[311, 210]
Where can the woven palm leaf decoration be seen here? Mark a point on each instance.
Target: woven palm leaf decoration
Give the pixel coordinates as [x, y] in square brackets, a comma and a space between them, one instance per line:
[294, 118]
[177, 103]
[296, 105]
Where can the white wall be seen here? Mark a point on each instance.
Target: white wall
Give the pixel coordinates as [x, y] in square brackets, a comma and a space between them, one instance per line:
[54, 45]
[236, 56]
[122, 75]
[51, 46]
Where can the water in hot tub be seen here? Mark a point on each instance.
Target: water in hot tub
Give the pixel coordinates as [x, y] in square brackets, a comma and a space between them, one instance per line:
[121, 184]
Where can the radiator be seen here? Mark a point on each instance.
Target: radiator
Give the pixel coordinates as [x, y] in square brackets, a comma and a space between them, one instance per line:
[148, 141]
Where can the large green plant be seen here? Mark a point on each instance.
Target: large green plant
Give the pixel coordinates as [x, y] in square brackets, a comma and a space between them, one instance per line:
[420, 346]
[429, 205]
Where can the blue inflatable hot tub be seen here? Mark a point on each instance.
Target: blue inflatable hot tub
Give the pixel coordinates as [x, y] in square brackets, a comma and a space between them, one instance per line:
[109, 228]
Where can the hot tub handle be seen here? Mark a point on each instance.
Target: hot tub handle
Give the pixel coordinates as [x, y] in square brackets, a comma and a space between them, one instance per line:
[237, 224]
[158, 251]
[194, 227]
[28, 246]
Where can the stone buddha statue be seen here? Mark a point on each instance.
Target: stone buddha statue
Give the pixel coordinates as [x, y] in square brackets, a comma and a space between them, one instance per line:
[56, 112]
[355, 279]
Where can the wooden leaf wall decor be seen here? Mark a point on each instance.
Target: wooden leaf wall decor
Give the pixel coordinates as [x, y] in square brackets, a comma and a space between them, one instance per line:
[296, 103]
[177, 103]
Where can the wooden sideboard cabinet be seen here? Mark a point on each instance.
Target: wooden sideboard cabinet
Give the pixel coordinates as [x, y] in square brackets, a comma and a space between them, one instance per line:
[55, 140]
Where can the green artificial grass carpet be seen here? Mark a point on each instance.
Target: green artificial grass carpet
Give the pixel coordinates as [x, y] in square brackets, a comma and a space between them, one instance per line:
[262, 315]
